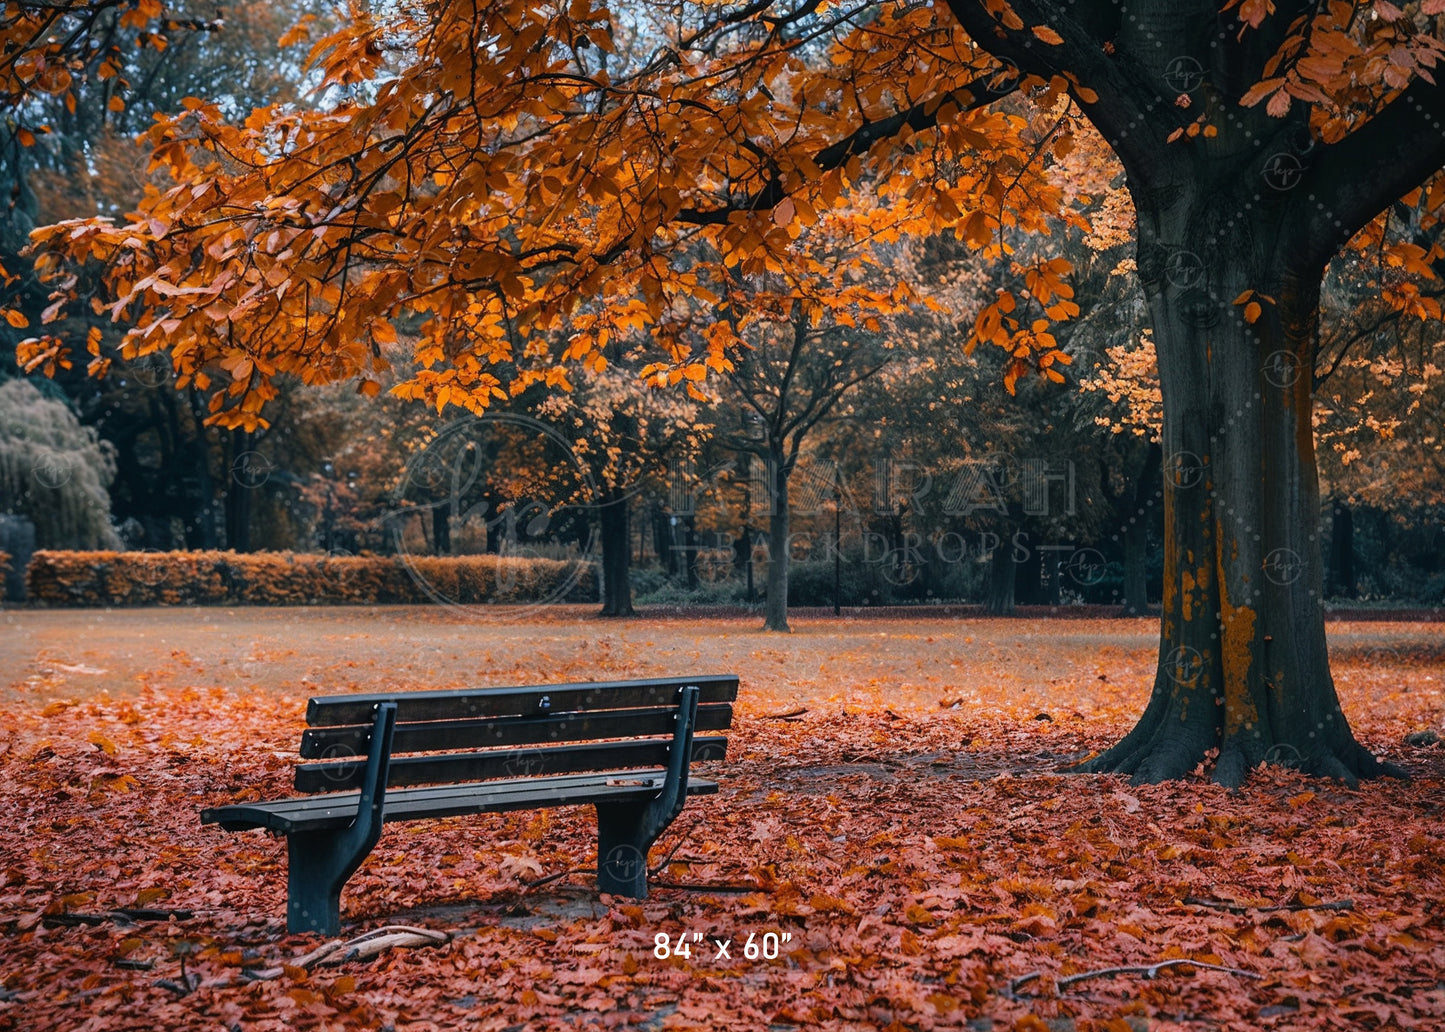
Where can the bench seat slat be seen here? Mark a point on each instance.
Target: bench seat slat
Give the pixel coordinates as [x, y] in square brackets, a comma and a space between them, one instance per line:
[336, 810]
[439, 735]
[405, 771]
[336, 710]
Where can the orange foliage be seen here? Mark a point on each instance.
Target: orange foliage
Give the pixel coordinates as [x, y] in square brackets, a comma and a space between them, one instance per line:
[609, 162]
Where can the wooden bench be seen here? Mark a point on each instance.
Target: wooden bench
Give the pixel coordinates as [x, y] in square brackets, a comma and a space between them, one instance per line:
[624, 747]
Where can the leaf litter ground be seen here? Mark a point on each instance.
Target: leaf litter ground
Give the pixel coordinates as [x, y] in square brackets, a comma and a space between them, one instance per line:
[910, 831]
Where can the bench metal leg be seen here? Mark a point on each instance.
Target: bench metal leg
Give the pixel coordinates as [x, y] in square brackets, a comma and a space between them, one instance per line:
[319, 863]
[625, 834]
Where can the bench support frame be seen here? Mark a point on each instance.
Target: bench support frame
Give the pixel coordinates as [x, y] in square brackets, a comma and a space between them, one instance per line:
[626, 831]
[320, 862]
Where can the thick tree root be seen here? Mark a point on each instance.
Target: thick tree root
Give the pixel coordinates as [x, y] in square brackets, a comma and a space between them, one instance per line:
[1166, 758]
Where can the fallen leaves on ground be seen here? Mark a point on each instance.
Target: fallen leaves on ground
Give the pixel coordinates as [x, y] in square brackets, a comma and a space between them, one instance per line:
[930, 871]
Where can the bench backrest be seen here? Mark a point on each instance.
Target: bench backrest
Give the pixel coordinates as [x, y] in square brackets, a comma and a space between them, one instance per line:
[479, 734]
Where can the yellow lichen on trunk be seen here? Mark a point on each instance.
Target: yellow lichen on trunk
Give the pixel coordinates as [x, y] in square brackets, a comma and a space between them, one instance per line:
[1236, 635]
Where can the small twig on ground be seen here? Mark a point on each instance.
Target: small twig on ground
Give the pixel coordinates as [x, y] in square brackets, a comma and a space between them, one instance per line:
[188, 984]
[1146, 970]
[528, 886]
[667, 859]
[791, 714]
[1240, 908]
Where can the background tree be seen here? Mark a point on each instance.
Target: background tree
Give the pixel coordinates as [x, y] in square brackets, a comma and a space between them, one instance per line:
[54, 471]
[802, 358]
[68, 149]
[624, 435]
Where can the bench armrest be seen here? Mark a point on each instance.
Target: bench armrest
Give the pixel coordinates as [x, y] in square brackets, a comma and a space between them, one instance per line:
[674, 789]
[378, 761]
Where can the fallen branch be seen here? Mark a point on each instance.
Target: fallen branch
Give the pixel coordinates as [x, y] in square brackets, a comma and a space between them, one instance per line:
[1342, 904]
[737, 887]
[363, 947]
[1146, 970]
[786, 714]
[124, 916]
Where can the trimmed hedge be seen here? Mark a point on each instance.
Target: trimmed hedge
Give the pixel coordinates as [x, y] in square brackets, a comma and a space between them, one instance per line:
[290, 579]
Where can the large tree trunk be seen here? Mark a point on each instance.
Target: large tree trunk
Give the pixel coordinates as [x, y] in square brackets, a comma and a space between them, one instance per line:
[1250, 202]
[441, 527]
[199, 484]
[1028, 570]
[1243, 665]
[775, 610]
[616, 535]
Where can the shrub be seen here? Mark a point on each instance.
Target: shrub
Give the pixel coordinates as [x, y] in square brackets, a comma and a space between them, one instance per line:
[286, 578]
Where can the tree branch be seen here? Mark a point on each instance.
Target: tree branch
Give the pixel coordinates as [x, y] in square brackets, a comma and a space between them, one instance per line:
[1126, 109]
[923, 116]
[1352, 181]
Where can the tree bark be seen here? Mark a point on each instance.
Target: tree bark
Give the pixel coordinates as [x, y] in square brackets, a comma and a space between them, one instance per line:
[200, 487]
[1027, 558]
[688, 548]
[775, 608]
[238, 498]
[441, 527]
[616, 538]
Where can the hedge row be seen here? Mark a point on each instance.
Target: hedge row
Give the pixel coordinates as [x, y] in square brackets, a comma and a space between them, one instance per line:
[287, 578]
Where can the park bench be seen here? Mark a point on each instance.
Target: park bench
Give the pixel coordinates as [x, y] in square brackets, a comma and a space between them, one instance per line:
[624, 747]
